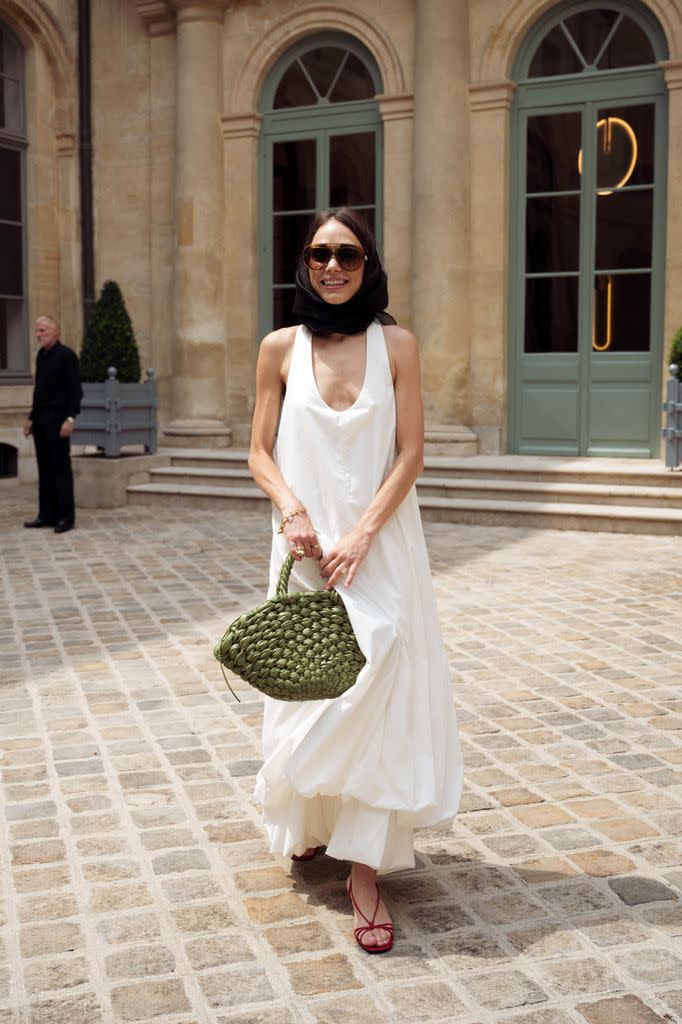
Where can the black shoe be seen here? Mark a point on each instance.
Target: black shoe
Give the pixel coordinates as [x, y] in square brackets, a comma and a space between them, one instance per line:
[64, 525]
[35, 524]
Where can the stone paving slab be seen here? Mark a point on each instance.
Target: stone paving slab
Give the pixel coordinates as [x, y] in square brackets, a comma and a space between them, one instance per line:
[136, 881]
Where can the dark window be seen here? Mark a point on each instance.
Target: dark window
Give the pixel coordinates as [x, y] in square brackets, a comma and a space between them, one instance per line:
[590, 40]
[327, 74]
[13, 338]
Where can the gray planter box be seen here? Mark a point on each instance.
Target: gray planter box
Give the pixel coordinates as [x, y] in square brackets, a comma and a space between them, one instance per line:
[114, 414]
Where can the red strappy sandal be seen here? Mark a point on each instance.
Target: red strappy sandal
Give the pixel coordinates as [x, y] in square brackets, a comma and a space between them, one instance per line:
[371, 924]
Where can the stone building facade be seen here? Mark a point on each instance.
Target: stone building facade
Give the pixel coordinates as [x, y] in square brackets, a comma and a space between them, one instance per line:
[492, 143]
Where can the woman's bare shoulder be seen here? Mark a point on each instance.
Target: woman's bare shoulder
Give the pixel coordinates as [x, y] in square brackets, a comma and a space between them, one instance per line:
[399, 337]
[280, 341]
[401, 345]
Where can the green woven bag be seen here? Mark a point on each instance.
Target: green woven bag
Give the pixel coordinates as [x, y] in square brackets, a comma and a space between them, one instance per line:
[295, 646]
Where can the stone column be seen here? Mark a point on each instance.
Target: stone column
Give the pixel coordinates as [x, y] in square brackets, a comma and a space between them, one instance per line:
[397, 113]
[490, 116]
[240, 149]
[70, 278]
[198, 401]
[159, 20]
[440, 210]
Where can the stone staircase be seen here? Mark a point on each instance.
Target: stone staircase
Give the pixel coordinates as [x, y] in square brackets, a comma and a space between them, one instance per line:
[617, 495]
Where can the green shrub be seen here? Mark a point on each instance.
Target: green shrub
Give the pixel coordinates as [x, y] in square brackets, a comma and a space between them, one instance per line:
[110, 340]
[675, 355]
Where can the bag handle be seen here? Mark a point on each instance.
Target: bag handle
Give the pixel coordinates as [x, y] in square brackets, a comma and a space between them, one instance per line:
[285, 572]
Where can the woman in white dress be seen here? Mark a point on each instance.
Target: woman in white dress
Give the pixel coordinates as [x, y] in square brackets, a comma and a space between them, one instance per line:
[340, 395]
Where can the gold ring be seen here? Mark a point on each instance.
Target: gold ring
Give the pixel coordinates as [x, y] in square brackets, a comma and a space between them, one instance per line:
[299, 551]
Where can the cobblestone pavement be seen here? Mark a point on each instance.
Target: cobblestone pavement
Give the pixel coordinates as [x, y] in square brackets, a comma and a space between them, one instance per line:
[136, 882]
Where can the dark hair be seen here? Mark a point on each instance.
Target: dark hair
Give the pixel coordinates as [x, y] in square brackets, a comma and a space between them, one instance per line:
[355, 222]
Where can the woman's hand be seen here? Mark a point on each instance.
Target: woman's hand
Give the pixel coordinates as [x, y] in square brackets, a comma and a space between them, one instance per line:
[300, 535]
[343, 561]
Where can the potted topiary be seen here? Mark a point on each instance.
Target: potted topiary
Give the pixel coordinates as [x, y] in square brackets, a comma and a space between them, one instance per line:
[676, 352]
[116, 409]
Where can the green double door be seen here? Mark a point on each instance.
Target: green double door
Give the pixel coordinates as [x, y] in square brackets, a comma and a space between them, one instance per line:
[587, 267]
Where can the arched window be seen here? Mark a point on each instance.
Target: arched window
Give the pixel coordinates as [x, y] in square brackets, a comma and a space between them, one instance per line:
[320, 149]
[13, 340]
[587, 233]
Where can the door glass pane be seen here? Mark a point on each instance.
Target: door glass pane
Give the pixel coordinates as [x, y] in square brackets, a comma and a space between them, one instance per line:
[294, 89]
[11, 271]
[553, 146]
[624, 230]
[621, 312]
[554, 56]
[10, 105]
[354, 82]
[283, 308]
[288, 233]
[589, 31]
[293, 175]
[10, 184]
[552, 234]
[625, 146]
[629, 47]
[352, 174]
[551, 315]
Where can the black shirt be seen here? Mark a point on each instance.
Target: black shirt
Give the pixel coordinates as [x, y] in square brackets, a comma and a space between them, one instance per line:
[57, 383]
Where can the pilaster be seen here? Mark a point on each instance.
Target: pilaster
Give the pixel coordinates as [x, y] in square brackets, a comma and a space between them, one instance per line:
[490, 126]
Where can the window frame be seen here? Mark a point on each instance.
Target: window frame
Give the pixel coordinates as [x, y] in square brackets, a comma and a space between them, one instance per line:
[319, 122]
[18, 142]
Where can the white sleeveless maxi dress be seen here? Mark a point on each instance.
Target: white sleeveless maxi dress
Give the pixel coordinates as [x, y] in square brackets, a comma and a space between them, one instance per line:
[361, 772]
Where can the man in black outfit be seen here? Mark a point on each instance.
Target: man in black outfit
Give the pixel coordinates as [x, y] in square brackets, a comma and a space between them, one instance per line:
[56, 403]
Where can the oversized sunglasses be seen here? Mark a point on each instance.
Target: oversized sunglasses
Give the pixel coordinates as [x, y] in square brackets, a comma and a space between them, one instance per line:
[348, 257]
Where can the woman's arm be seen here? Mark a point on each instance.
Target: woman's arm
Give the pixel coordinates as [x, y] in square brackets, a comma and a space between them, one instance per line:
[352, 549]
[271, 372]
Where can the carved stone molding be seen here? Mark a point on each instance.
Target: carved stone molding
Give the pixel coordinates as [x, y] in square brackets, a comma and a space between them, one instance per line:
[672, 70]
[199, 10]
[492, 96]
[158, 16]
[66, 143]
[398, 107]
[241, 126]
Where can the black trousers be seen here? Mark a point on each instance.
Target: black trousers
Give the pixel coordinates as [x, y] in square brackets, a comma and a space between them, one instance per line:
[55, 477]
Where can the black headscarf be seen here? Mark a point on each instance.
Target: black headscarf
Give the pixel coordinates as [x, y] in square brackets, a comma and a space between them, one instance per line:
[368, 304]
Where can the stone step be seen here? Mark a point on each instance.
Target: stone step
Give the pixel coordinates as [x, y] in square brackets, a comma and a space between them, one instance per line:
[494, 489]
[554, 515]
[203, 476]
[541, 514]
[535, 468]
[203, 496]
[502, 489]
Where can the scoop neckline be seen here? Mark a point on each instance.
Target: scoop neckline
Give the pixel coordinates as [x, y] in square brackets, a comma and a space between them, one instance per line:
[361, 392]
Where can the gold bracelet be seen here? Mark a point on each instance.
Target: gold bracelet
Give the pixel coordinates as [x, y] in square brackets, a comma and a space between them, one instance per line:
[291, 515]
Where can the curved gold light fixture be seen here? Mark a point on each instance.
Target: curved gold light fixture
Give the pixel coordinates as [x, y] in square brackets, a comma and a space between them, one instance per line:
[605, 345]
[608, 124]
